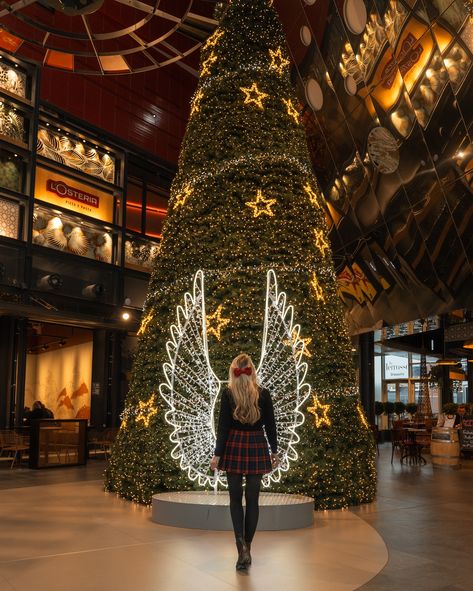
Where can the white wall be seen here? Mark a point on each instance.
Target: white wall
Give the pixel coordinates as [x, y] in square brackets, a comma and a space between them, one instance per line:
[61, 379]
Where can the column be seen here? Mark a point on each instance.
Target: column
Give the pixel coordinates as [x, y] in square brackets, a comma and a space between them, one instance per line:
[366, 361]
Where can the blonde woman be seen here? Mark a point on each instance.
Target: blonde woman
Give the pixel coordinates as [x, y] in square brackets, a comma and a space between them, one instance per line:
[242, 448]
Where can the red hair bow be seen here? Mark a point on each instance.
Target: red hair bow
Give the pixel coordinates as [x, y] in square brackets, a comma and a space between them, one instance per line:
[238, 371]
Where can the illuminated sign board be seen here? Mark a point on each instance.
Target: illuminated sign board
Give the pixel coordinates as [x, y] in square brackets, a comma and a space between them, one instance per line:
[58, 189]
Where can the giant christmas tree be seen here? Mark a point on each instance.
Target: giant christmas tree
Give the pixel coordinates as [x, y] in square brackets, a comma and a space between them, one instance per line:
[245, 201]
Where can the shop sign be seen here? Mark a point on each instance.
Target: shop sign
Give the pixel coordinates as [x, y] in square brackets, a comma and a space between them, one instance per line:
[60, 190]
[395, 367]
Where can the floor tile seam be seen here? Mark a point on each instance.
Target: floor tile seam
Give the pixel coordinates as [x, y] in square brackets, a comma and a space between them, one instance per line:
[74, 553]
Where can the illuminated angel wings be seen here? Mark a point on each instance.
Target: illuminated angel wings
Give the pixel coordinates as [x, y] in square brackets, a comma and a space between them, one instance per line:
[191, 388]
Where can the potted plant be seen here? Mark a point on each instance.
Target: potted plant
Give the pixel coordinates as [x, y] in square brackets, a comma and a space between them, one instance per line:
[411, 408]
[399, 408]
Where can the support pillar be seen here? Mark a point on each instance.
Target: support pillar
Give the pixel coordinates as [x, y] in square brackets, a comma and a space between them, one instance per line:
[366, 360]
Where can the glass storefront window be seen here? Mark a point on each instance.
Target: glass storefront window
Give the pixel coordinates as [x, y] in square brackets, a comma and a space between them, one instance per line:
[139, 253]
[55, 229]
[134, 207]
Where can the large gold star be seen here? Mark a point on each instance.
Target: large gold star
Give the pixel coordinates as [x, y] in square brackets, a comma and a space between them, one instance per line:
[301, 350]
[278, 61]
[320, 412]
[146, 410]
[216, 323]
[253, 95]
[312, 195]
[261, 206]
[183, 196]
[214, 38]
[318, 291]
[208, 64]
[320, 242]
[196, 102]
[144, 323]
[291, 110]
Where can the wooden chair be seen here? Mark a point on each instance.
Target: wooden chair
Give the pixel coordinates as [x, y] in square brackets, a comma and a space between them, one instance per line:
[397, 439]
[13, 445]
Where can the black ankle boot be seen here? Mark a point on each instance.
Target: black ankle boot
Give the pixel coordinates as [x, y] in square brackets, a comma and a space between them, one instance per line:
[248, 546]
[244, 558]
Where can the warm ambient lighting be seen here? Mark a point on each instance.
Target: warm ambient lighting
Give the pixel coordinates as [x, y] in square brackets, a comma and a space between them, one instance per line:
[446, 362]
[468, 345]
[125, 316]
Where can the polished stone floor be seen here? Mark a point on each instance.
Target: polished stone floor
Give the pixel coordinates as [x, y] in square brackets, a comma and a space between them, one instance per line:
[59, 530]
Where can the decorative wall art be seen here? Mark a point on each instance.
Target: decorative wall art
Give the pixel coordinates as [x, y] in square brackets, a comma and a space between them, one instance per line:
[12, 124]
[9, 218]
[75, 153]
[66, 233]
[10, 171]
[12, 80]
[139, 254]
[61, 379]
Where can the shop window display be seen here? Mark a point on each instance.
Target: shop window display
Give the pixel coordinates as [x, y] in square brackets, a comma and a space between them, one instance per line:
[12, 80]
[139, 254]
[12, 124]
[9, 218]
[61, 147]
[11, 174]
[63, 232]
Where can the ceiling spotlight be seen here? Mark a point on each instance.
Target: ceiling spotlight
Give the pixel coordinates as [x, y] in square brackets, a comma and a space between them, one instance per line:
[44, 347]
[95, 290]
[62, 342]
[126, 316]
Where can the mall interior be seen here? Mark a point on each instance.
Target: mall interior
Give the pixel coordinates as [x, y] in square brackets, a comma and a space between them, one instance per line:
[98, 102]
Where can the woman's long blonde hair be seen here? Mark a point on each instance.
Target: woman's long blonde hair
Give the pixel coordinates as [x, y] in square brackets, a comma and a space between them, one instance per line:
[245, 390]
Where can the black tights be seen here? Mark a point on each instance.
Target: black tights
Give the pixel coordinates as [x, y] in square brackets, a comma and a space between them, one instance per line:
[244, 523]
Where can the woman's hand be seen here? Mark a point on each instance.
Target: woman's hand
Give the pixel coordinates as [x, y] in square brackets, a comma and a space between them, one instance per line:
[214, 463]
[274, 460]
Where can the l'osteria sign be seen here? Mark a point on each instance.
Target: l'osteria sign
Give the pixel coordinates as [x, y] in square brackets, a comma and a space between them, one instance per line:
[61, 190]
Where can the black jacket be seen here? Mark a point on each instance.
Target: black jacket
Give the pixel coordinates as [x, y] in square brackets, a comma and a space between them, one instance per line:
[227, 422]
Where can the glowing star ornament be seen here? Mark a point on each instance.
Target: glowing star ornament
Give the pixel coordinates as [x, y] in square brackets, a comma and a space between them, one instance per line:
[312, 195]
[254, 96]
[216, 323]
[196, 102]
[206, 71]
[320, 412]
[291, 110]
[320, 242]
[278, 61]
[144, 323]
[183, 196]
[146, 411]
[214, 38]
[317, 289]
[261, 206]
[304, 348]
[191, 388]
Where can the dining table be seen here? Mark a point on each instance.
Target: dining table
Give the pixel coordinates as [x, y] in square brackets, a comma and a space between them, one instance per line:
[413, 450]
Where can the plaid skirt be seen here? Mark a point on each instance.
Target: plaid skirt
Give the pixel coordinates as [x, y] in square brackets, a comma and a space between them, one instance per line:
[246, 452]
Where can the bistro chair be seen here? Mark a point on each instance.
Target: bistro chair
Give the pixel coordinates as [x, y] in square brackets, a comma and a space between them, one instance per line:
[375, 431]
[397, 439]
[13, 445]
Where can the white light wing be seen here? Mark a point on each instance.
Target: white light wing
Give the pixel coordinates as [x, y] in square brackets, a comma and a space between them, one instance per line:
[191, 387]
[282, 372]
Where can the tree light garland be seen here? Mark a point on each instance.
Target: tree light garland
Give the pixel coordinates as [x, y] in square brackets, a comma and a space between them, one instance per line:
[206, 71]
[312, 196]
[317, 288]
[191, 388]
[321, 242]
[144, 323]
[182, 197]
